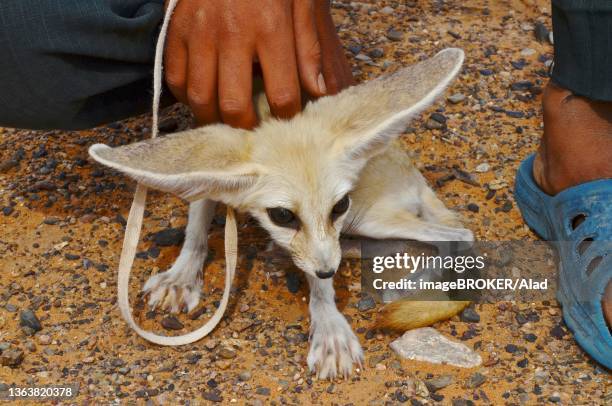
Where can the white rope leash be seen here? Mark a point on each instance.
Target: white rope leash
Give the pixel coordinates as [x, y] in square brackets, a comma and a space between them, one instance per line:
[134, 225]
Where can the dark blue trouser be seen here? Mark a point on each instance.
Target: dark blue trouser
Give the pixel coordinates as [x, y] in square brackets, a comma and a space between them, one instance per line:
[73, 64]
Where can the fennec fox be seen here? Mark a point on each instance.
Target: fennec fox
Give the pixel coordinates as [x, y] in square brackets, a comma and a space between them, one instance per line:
[331, 169]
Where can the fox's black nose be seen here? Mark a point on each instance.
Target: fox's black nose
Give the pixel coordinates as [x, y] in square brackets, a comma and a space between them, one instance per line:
[325, 275]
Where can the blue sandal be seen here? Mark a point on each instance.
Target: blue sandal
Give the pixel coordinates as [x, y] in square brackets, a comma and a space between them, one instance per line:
[578, 221]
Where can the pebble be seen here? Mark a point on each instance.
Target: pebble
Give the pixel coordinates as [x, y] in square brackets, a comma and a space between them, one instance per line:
[44, 339]
[473, 207]
[440, 118]
[427, 344]
[363, 57]
[440, 382]
[12, 358]
[292, 280]
[394, 35]
[456, 98]
[244, 376]
[171, 323]
[469, 315]
[263, 391]
[51, 221]
[483, 167]
[169, 237]
[541, 32]
[227, 353]
[366, 303]
[433, 125]
[376, 53]
[475, 380]
[213, 396]
[558, 332]
[27, 318]
[7, 211]
[528, 52]
[387, 10]
[355, 48]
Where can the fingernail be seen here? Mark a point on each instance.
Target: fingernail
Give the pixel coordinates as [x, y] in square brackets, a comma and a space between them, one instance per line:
[321, 83]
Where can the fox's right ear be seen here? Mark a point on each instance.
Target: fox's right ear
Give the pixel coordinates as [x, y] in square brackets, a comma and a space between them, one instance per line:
[364, 118]
[212, 162]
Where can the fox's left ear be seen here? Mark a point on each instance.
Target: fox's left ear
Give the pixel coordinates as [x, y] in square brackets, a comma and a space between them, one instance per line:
[366, 117]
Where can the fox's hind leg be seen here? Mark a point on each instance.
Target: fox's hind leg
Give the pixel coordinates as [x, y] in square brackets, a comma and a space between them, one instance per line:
[180, 286]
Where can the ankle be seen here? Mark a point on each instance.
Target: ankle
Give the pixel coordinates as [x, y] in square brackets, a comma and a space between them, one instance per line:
[577, 143]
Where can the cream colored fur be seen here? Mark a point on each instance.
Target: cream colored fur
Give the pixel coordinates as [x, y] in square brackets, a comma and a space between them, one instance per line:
[339, 144]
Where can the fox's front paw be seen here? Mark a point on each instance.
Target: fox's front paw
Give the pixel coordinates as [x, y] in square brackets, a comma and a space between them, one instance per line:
[178, 288]
[334, 348]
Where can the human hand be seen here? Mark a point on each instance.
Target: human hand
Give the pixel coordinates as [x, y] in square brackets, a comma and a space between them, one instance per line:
[212, 45]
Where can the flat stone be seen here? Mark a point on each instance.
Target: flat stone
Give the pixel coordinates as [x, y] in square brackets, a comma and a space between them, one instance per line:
[439, 382]
[483, 167]
[27, 318]
[456, 98]
[11, 358]
[171, 323]
[365, 304]
[169, 237]
[427, 344]
[394, 35]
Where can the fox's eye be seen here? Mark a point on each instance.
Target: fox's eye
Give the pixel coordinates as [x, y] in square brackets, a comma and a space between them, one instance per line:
[283, 217]
[340, 207]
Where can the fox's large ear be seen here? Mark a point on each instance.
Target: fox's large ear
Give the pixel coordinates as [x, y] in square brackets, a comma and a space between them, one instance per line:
[366, 117]
[212, 162]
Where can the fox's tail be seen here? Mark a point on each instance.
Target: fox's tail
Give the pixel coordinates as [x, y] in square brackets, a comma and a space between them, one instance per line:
[407, 314]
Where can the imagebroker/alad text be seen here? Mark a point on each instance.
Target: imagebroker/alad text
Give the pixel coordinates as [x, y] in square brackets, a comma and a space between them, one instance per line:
[463, 284]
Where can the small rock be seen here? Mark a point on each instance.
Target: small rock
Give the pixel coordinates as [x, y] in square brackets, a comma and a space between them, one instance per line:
[456, 98]
[355, 48]
[376, 53]
[486, 72]
[433, 125]
[401, 396]
[366, 303]
[439, 382]
[541, 32]
[394, 35]
[363, 58]
[387, 10]
[171, 323]
[473, 207]
[213, 396]
[27, 318]
[293, 282]
[44, 339]
[263, 391]
[558, 332]
[11, 358]
[227, 353]
[427, 344]
[51, 221]
[530, 337]
[469, 315]
[528, 52]
[169, 237]
[244, 376]
[476, 380]
[7, 211]
[522, 363]
[483, 167]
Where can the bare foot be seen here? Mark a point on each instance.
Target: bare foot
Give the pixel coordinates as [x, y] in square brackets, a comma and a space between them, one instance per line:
[576, 148]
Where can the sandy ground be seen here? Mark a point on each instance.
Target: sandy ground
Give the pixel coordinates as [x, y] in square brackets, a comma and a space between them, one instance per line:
[62, 227]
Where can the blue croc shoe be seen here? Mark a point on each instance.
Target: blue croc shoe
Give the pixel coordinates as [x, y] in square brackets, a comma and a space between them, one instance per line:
[578, 221]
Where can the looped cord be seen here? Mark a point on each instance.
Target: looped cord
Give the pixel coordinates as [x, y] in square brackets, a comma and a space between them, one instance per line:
[134, 225]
